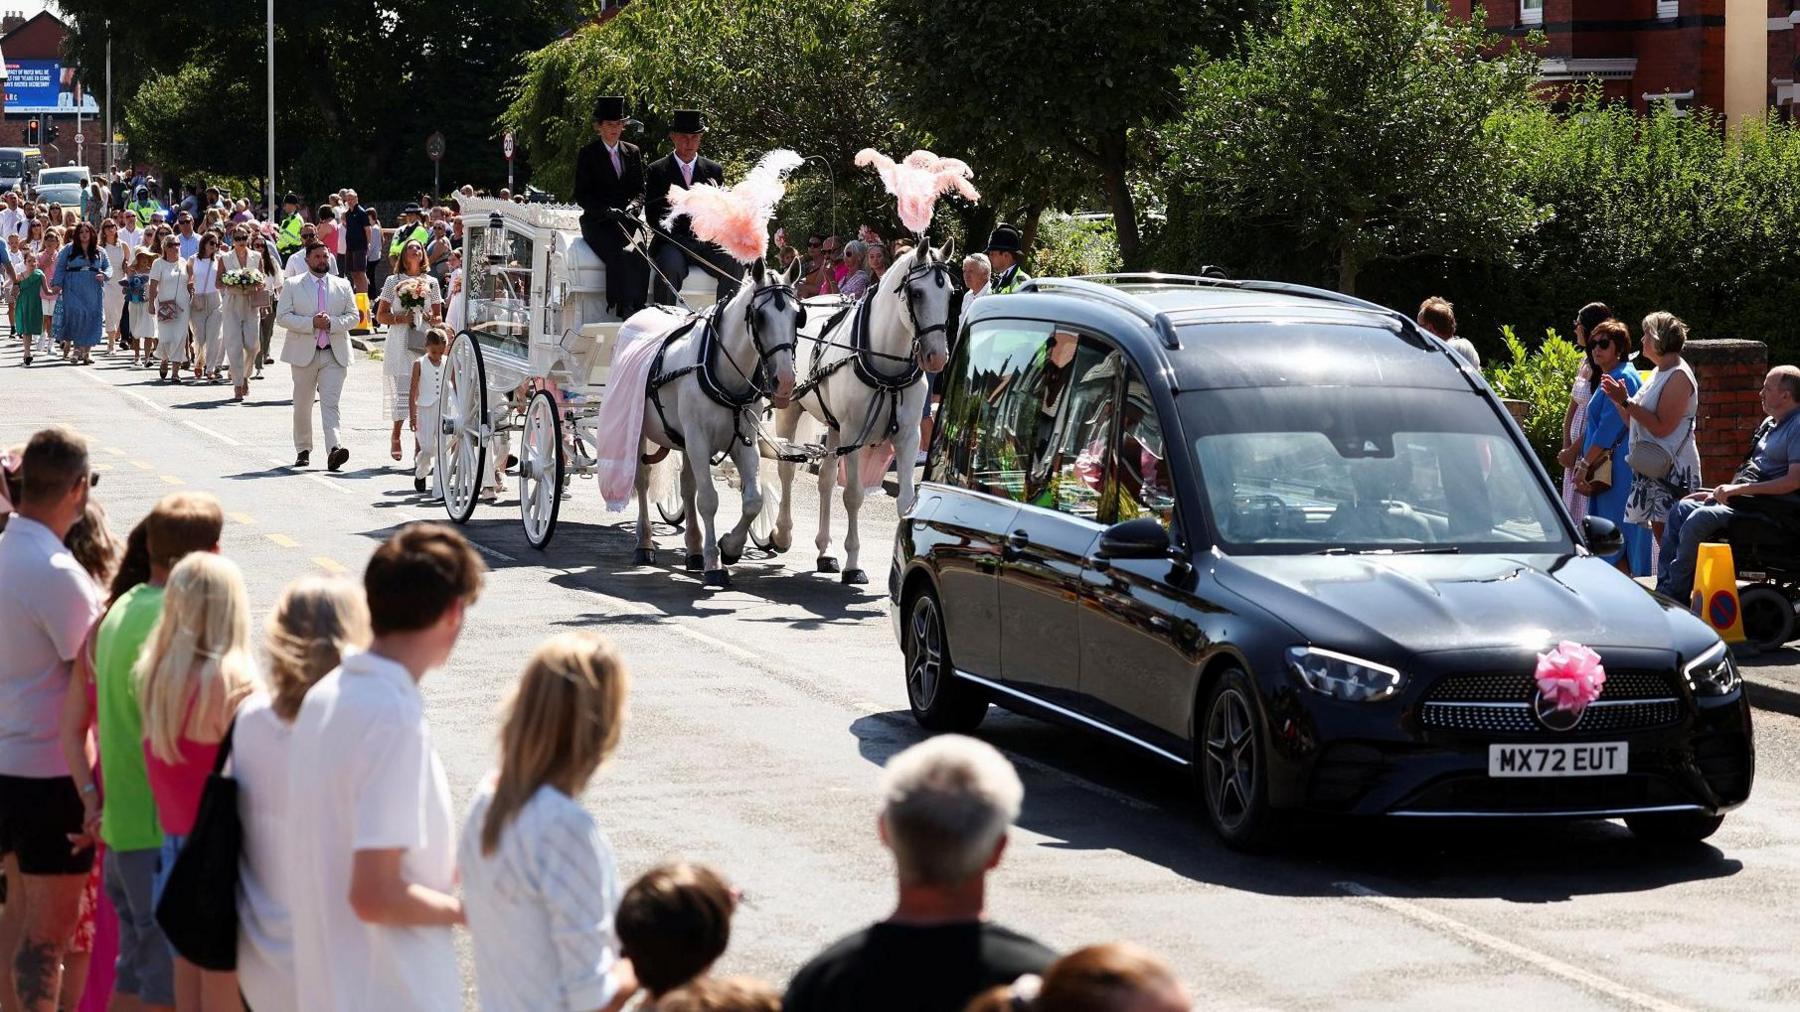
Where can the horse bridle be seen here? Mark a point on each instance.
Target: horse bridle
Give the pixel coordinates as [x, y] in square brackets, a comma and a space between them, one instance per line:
[938, 270]
[763, 384]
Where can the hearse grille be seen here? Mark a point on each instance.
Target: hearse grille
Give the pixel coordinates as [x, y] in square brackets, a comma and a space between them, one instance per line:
[1500, 703]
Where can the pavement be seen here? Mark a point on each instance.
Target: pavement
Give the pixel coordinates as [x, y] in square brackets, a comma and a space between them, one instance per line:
[760, 716]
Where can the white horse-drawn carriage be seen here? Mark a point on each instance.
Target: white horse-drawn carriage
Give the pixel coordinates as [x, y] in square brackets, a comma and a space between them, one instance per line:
[537, 355]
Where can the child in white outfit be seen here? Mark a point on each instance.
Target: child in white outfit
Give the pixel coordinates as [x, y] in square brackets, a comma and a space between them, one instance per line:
[422, 407]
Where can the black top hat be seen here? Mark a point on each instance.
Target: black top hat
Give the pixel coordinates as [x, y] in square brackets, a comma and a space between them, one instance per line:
[688, 121]
[609, 107]
[1006, 239]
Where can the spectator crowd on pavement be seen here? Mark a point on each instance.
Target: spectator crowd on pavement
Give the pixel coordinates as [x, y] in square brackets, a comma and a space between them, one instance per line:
[167, 772]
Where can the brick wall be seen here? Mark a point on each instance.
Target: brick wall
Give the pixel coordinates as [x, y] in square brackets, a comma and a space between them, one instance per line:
[1731, 375]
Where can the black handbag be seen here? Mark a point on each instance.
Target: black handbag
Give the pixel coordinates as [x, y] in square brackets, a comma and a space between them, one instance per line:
[198, 909]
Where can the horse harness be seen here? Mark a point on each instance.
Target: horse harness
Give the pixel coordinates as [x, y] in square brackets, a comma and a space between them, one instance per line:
[862, 360]
[758, 385]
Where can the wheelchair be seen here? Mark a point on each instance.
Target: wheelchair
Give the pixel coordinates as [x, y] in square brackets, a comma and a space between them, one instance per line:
[1765, 544]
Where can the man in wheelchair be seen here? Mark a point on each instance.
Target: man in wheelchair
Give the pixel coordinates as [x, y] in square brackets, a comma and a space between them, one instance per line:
[1765, 491]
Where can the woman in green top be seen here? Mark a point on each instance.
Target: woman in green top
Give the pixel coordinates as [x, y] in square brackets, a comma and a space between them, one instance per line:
[31, 304]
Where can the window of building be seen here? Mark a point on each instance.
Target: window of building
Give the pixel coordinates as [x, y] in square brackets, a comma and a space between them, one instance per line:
[1667, 9]
[1531, 12]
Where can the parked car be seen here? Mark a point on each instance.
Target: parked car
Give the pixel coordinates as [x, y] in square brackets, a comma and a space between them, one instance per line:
[63, 174]
[19, 167]
[1285, 538]
[67, 194]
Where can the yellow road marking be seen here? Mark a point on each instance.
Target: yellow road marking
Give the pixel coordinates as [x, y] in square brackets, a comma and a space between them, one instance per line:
[329, 564]
[115, 451]
[101, 467]
[171, 479]
[242, 518]
[143, 465]
[283, 540]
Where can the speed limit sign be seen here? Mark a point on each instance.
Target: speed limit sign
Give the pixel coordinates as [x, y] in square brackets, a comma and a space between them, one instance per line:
[506, 145]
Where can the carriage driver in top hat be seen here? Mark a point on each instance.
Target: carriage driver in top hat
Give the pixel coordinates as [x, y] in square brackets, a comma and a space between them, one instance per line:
[609, 179]
[684, 167]
[1003, 250]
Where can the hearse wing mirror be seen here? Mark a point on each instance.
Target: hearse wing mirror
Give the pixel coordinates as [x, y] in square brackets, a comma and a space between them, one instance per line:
[1602, 535]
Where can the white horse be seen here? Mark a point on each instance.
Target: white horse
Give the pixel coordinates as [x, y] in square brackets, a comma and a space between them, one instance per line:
[705, 398]
[864, 380]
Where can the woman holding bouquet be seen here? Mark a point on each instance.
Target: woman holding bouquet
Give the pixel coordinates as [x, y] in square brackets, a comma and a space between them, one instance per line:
[410, 305]
[246, 287]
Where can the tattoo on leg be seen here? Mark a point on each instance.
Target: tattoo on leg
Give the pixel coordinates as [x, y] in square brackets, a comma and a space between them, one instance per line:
[35, 972]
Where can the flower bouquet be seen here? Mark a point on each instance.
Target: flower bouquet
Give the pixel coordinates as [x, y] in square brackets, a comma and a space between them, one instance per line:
[248, 281]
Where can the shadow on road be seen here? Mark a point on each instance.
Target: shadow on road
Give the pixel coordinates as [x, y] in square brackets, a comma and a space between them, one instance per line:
[1089, 793]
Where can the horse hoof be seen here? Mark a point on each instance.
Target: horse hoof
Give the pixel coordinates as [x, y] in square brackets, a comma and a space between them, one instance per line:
[717, 578]
[827, 564]
[855, 576]
[643, 557]
[729, 558]
[696, 563]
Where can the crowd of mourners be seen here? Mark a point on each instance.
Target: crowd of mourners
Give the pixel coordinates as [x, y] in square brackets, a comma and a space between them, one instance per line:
[198, 815]
[1629, 453]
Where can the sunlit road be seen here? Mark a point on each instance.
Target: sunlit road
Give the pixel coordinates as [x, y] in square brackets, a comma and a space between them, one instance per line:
[761, 714]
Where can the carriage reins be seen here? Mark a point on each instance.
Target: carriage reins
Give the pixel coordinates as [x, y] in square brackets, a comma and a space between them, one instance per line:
[862, 361]
[759, 383]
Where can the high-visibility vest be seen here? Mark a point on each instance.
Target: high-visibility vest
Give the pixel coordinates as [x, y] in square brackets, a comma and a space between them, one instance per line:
[402, 237]
[144, 209]
[1009, 282]
[288, 239]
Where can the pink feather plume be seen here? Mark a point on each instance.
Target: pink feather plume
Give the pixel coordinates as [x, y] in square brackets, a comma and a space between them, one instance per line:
[919, 181]
[737, 219]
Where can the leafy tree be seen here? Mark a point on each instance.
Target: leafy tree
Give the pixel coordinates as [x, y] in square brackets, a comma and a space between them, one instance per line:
[1350, 132]
[1048, 98]
[1541, 377]
[359, 84]
[768, 73]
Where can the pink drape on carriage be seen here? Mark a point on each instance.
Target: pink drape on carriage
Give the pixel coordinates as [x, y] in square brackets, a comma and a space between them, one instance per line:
[620, 423]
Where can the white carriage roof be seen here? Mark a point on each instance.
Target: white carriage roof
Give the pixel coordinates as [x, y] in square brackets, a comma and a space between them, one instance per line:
[533, 216]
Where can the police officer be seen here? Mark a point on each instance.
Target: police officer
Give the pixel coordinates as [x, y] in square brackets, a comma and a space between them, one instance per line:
[609, 183]
[409, 230]
[686, 168]
[144, 207]
[1003, 250]
[287, 239]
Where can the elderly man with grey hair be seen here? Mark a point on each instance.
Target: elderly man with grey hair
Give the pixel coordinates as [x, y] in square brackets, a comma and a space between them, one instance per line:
[947, 804]
[977, 269]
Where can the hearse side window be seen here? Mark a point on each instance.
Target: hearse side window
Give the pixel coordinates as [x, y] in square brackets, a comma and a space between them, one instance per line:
[1140, 471]
[990, 415]
[1077, 383]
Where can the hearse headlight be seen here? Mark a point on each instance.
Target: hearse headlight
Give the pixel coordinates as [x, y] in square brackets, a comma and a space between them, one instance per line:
[1343, 677]
[1713, 673]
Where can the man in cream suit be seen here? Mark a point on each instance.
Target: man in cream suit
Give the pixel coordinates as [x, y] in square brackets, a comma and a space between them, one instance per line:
[317, 310]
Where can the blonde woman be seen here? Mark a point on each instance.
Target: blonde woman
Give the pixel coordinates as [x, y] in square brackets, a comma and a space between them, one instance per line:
[244, 308]
[317, 620]
[406, 328]
[168, 301]
[113, 301]
[190, 680]
[539, 881]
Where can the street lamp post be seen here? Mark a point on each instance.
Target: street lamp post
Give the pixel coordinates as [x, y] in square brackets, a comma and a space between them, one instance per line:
[831, 181]
[111, 154]
[269, 180]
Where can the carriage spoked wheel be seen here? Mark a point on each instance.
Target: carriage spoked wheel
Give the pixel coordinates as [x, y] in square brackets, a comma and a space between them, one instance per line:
[540, 469]
[461, 452]
[668, 506]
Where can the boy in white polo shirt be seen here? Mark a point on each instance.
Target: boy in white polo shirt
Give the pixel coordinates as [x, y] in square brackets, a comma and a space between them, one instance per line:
[375, 857]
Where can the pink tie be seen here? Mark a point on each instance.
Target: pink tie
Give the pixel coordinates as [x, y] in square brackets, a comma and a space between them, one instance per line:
[323, 335]
[687, 172]
[618, 166]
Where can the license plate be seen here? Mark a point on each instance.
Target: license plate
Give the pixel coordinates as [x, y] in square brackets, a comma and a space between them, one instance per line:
[1589, 759]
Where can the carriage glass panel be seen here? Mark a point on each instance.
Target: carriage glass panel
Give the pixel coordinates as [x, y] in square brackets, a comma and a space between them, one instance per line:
[500, 287]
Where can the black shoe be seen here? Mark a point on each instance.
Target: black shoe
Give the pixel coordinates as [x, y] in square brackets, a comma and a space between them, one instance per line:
[418, 484]
[303, 458]
[335, 459]
[268, 361]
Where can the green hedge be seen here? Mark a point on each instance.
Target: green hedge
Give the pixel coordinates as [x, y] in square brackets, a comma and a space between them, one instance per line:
[1541, 377]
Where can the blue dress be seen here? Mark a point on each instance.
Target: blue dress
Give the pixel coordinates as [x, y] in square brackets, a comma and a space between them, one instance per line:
[1605, 427]
[81, 312]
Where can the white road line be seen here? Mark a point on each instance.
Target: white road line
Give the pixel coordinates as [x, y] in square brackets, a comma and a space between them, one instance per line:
[1480, 939]
[220, 436]
[154, 406]
[332, 485]
[485, 550]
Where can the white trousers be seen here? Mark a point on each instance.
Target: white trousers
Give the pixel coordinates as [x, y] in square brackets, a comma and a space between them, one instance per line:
[242, 337]
[206, 317]
[320, 377]
[425, 459]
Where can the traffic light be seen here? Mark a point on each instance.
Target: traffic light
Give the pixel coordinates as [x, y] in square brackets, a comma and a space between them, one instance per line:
[33, 139]
[50, 132]
[25, 135]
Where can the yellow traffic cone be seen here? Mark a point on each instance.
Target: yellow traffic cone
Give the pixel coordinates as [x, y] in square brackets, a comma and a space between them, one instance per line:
[362, 306]
[1715, 597]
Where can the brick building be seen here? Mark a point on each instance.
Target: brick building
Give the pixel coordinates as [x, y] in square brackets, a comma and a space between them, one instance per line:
[42, 86]
[1645, 51]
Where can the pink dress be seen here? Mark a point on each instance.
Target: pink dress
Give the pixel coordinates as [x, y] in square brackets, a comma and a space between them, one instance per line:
[177, 786]
[1581, 393]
